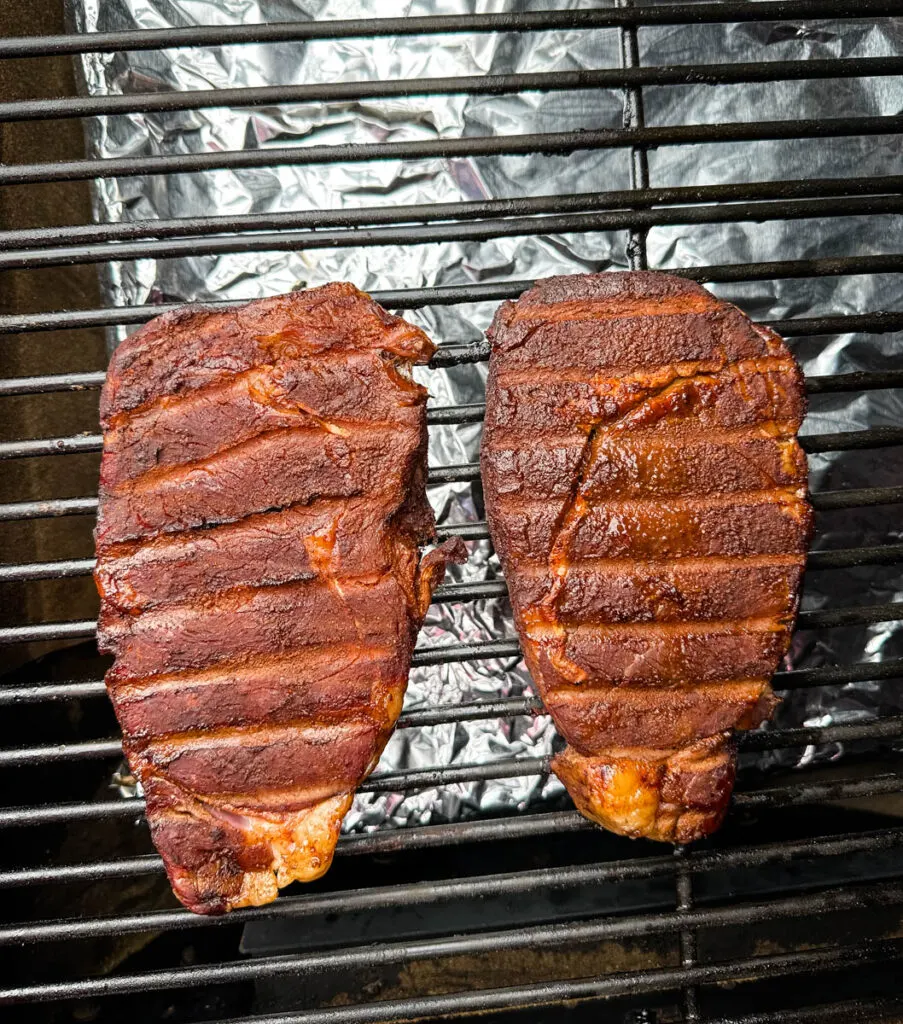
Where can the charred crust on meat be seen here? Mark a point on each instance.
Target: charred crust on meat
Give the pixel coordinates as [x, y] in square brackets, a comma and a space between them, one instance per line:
[648, 500]
[262, 508]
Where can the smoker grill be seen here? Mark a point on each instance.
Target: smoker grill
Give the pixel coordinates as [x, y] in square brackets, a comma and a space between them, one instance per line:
[792, 913]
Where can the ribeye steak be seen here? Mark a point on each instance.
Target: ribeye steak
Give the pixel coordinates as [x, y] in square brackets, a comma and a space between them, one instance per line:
[262, 503]
[647, 498]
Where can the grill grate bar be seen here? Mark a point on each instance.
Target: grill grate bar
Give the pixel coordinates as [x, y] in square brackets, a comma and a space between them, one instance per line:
[798, 793]
[231, 35]
[416, 894]
[683, 886]
[858, 1011]
[484, 230]
[879, 322]
[884, 894]
[369, 216]
[848, 440]
[560, 143]
[772, 739]
[676, 14]
[821, 501]
[860, 380]
[477, 590]
[628, 76]
[47, 570]
[443, 714]
[822, 618]
[491, 830]
[828, 501]
[52, 383]
[637, 983]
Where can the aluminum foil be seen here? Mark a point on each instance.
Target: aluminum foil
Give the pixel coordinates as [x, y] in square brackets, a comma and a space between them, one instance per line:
[245, 275]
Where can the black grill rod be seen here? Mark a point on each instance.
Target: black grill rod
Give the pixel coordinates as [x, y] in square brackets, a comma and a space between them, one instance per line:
[840, 558]
[52, 383]
[821, 501]
[634, 117]
[834, 900]
[858, 380]
[638, 221]
[683, 887]
[847, 440]
[487, 1001]
[231, 35]
[553, 143]
[453, 353]
[854, 1011]
[785, 796]
[629, 76]
[842, 441]
[828, 501]
[493, 830]
[443, 714]
[822, 618]
[533, 21]
[419, 893]
[768, 739]
[370, 216]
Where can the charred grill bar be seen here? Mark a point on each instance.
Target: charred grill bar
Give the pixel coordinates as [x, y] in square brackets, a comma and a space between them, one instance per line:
[691, 975]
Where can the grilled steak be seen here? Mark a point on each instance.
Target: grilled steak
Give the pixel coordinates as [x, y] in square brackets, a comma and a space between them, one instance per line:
[261, 505]
[647, 498]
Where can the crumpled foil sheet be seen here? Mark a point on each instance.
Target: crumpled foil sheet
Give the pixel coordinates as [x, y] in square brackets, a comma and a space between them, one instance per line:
[244, 275]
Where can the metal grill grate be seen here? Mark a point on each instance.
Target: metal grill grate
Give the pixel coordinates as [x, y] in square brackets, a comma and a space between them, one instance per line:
[686, 978]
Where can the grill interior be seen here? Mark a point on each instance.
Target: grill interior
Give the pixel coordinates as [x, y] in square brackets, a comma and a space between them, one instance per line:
[792, 913]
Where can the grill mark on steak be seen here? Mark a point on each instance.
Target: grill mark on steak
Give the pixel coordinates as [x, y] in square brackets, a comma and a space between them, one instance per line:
[645, 468]
[674, 716]
[162, 475]
[194, 346]
[281, 468]
[742, 526]
[684, 503]
[542, 631]
[263, 549]
[609, 309]
[528, 568]
[319, 662]
[337, 361]
[654, 553]
[325, 685]
[597, 344]
[624, 377]
[213, 419]
[256, 621]
[262, 600]
[590, 593]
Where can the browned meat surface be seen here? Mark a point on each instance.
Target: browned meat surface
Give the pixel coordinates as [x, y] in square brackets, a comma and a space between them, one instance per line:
[647, 498]
[262, 505]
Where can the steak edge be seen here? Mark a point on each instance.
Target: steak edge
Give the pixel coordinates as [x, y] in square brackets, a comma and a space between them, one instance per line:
[647, 497]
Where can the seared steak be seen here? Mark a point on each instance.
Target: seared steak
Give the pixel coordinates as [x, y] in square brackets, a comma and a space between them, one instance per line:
[261, 506]
[647, 499]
